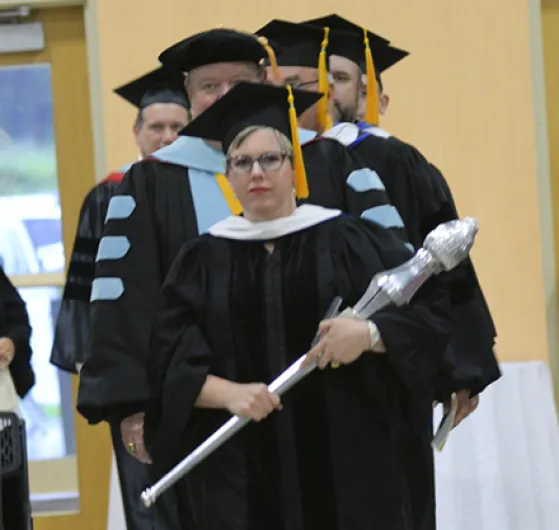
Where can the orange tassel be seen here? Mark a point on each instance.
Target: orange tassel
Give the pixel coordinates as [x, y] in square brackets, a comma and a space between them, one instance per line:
[372, 112]
[228, 194]
[301, 184]
[271, 57]
[324, 118]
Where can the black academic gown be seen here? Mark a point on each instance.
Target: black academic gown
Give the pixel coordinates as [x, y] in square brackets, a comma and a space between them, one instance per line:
[71, 338]
[15, 509]
[162, 202]
[14, 325]
[160, 205]
[71, 330]
[332, 459]
[475, 365]
[422, 196]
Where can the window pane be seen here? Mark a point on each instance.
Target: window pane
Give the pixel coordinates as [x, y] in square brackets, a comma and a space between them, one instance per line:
[30, 225]
[48, 408]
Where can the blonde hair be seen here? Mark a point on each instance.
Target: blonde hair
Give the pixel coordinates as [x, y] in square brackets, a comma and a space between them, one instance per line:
[240, 139]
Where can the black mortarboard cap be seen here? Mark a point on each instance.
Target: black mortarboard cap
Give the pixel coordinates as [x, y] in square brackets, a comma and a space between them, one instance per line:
[248, 104]
[213, 46]
[299, 44]
[338, 23]
[352, 47]
[162, 85]
[384, 55]
[359, 45]
[385, 59]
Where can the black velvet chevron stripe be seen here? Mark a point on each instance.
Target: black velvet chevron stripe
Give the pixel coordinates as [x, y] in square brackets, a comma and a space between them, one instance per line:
[81, 272]
[82, 269]
[75, 291]
[87, 246]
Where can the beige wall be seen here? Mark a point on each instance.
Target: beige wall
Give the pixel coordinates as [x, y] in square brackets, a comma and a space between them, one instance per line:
[550, 26]
[465, 97]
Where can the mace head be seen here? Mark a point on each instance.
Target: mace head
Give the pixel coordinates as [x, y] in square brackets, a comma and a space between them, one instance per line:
[451, 242]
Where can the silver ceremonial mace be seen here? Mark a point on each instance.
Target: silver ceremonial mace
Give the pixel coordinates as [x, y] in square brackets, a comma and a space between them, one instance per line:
[443, 249]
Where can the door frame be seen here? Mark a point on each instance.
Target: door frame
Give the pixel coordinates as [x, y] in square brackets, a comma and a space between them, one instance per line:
[76, 175]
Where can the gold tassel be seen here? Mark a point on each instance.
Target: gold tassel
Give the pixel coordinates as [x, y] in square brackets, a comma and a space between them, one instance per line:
[271, 57]
[324, 118]
[372, 112]
[232, 201]
[301, 184]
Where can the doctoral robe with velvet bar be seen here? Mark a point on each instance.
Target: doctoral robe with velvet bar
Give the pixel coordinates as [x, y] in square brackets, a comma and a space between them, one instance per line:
[71, 331]
[162, 202]
[332, 459]
[423, 198]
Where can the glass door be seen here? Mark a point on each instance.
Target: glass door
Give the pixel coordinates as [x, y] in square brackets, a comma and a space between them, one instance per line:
[46, 168]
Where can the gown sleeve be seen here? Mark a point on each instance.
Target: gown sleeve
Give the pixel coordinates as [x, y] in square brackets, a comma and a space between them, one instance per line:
[415, 335]
[179, 361]
[14, 324]
[72, 324]
[422, 195]
[475, 364]
[124, 297]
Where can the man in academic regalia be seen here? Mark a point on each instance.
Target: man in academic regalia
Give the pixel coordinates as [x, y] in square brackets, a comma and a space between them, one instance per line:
[168, 199]
[163, 201]
[162, 112]
[419, 192]
[350, 80]
[301, 61]
[355, 190]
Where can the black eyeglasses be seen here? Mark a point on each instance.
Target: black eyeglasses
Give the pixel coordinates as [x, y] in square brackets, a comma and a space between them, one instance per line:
[268, 161]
